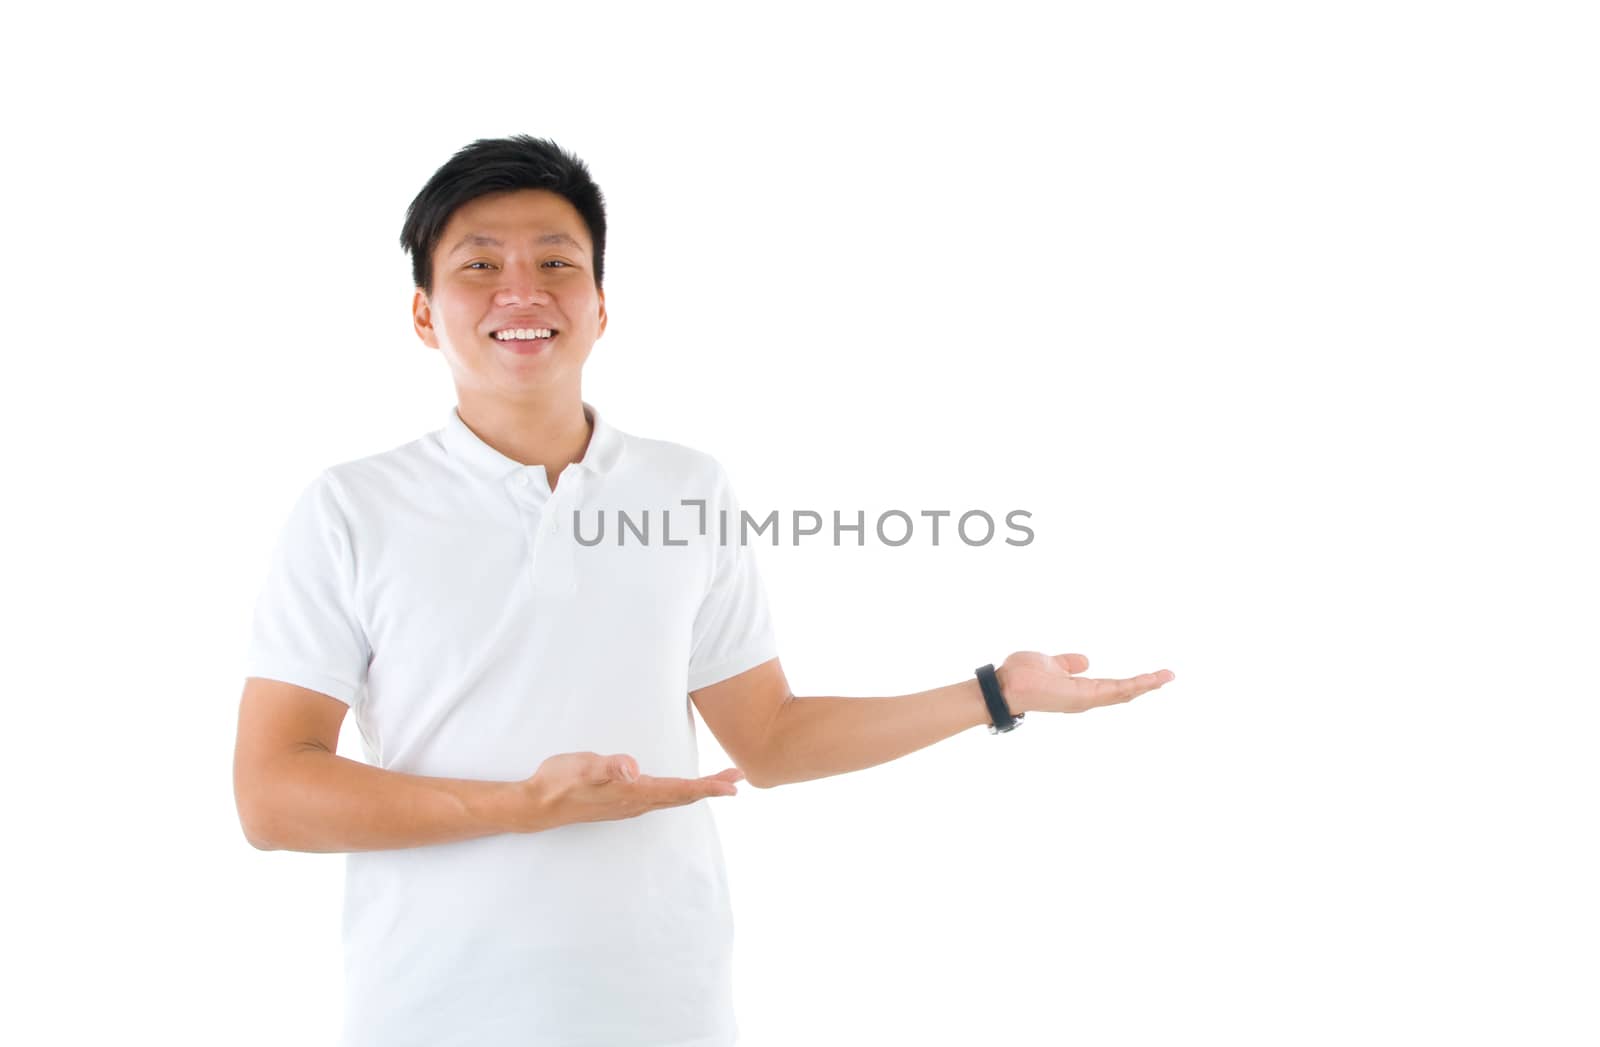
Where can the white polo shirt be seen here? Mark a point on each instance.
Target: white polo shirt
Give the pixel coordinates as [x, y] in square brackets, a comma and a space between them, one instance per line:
[440, 589]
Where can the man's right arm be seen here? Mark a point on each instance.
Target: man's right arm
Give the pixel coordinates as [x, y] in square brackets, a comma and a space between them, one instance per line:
[322, 802]
[295, 793]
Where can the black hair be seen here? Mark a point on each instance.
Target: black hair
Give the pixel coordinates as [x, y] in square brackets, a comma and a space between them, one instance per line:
[497, 165]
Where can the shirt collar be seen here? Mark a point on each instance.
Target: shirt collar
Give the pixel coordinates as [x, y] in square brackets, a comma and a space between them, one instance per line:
[605, 447]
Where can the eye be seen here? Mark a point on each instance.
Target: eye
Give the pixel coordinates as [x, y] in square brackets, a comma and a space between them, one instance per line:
[555, 261]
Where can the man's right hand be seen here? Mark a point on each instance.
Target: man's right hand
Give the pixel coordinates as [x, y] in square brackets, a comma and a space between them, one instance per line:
[588, 787]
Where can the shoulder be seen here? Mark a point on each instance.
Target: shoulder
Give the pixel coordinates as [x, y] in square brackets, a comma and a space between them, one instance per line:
[668, 458]
[402, 472]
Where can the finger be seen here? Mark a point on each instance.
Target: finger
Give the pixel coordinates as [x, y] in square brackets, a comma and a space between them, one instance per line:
[721, 783]
[676, 792]
[1072, 663]
[704, 790]
[1105, 691]
[1131, 688]
[600, 775]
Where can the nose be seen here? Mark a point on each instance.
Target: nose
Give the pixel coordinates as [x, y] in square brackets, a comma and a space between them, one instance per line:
[527, 294]
[520, 285]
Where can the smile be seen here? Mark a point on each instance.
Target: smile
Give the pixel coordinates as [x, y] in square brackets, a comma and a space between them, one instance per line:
[524, 334]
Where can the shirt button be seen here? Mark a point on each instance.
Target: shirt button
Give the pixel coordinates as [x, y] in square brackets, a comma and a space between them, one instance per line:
[522, 479]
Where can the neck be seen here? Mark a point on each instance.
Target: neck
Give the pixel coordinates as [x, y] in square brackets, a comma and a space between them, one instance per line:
[553, 434]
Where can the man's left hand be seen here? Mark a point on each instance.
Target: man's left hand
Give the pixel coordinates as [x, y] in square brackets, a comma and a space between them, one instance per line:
[1036, 682]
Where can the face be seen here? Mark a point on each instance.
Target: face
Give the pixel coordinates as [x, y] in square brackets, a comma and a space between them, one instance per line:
[518, 259]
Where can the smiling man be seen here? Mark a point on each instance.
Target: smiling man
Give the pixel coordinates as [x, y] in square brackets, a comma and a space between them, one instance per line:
[527, 861]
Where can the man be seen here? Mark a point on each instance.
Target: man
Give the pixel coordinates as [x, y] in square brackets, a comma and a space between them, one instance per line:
[438, 590]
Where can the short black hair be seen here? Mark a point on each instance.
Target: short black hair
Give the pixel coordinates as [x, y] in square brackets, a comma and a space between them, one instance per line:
[497, 165]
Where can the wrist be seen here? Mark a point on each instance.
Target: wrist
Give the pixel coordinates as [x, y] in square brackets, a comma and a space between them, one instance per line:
[517, 807]
[1004, 713]
[1013, 701]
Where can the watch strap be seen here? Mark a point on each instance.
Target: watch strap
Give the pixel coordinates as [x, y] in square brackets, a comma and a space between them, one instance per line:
[999, 711]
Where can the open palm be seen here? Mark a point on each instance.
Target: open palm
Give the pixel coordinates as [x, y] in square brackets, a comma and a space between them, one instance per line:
[1032, 681]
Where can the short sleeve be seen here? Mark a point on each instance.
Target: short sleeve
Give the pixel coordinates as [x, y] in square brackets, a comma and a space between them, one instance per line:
[305, 629]
[733, 629]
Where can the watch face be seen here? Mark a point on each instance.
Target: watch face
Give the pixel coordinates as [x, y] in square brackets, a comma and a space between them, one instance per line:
[1008, 727]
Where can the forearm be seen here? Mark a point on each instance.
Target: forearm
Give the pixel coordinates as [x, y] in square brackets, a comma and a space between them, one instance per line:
[819, 737]
[314, 800]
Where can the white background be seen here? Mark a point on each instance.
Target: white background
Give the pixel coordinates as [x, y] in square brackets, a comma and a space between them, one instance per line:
[1277, 318]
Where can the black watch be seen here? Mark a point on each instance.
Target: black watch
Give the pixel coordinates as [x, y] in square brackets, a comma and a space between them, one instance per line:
[999, 711]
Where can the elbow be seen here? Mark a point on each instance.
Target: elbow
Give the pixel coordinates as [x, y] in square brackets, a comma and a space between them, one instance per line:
[759, 773]
[254, 836]
[251, 824]
[259, 843]
[762, 781]
[768, 772]
[254, 818]
[753, 773]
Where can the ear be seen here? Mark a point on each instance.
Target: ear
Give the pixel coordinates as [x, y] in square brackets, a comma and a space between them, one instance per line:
[422, 320]
[602, 330]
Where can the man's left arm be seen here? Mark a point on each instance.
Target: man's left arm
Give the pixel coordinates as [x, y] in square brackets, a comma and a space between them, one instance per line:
[777, 738]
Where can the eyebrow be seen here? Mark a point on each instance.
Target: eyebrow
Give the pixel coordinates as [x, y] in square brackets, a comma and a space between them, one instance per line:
[483, 240]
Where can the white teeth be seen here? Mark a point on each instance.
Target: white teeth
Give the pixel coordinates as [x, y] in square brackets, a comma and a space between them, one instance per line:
[523, 334]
